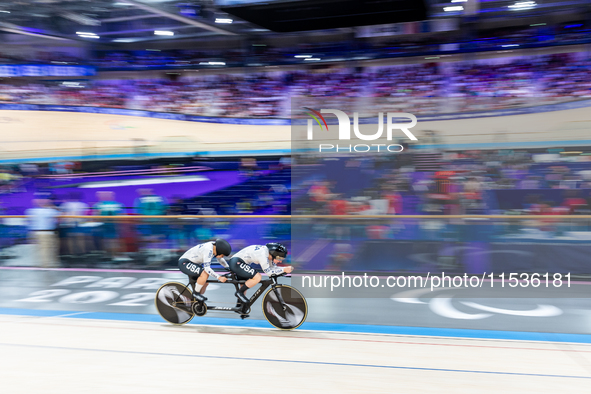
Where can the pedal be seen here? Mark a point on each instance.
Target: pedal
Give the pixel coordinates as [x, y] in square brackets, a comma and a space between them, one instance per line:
[244, 316]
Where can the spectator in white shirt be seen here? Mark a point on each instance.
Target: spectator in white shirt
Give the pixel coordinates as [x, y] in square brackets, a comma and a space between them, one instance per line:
[43, 222]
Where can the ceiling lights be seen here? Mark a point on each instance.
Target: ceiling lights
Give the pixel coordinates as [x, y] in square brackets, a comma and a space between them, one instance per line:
[87, 34]
[522, 5]
[163, 33]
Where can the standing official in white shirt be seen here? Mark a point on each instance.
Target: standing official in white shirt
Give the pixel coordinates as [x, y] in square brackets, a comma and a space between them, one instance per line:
[43, 220]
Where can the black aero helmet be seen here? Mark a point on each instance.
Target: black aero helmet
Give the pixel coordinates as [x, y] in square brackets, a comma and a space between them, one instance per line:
[222, 247]
[277, 250]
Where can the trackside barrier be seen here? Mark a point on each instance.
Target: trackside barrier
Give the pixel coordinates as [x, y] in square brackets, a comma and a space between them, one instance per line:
[409, 243]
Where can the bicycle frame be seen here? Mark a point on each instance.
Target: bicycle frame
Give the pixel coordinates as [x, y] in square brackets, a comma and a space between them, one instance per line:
[272, 281]
[178, 296]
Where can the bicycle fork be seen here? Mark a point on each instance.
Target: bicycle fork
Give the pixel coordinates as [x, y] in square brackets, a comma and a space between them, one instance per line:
[279, 297]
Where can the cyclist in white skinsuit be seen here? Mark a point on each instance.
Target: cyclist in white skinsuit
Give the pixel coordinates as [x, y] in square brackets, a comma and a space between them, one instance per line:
[264, 255]
[196, 263]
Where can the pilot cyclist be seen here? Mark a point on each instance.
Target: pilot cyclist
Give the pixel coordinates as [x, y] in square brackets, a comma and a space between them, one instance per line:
[267, 256]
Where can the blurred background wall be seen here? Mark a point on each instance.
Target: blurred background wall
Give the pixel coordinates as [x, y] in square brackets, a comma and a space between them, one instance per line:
[191, 105]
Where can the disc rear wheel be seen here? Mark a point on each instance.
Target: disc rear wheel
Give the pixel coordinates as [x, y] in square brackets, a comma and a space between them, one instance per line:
[173, 302]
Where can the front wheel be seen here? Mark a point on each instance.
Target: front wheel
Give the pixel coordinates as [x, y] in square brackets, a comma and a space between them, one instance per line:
[173, 303]
[293, 315]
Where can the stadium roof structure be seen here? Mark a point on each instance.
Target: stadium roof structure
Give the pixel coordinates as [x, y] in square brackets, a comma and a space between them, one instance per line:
[303, 15]
[116, 21]
[113, 22]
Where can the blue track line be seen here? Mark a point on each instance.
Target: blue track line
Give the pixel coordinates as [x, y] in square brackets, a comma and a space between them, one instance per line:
[312, 326]
[298, 361]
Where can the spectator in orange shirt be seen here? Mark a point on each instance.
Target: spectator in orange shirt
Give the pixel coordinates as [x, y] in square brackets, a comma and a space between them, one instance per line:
[319, 192]
[338, 206]
[574, 203]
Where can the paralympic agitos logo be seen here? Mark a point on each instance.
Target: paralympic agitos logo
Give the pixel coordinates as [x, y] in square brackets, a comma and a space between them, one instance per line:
[345, 130]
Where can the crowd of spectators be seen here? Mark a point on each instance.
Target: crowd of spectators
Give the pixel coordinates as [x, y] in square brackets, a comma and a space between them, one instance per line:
[217, 96]
[9, 180]
[459, 184]
[424, 88]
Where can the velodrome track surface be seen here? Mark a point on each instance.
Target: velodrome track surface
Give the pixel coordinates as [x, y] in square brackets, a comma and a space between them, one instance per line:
[95, 331]
[61, 355]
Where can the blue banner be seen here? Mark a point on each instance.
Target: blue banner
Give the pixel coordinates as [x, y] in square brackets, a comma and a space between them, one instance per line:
[36, 70]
